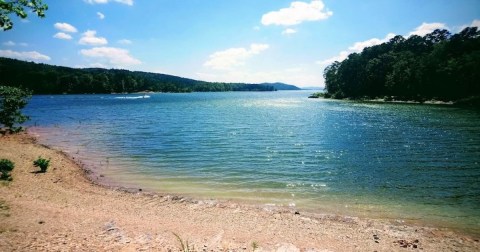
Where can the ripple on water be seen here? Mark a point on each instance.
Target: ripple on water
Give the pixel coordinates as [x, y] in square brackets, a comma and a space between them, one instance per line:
[399, 161]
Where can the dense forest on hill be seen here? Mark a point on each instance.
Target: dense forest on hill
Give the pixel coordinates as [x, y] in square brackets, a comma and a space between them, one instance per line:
[48, 79]
[438, 66]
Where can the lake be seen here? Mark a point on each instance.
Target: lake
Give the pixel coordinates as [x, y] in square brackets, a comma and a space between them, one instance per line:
[405, 162]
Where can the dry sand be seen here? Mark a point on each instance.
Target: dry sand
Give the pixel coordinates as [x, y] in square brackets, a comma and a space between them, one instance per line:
[62, 210]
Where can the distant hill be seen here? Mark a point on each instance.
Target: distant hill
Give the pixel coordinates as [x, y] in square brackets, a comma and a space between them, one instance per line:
[281, 86]
[49, 79]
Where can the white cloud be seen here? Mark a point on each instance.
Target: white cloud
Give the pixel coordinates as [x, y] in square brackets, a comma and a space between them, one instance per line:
[61, 35]
[111, 56]
[426, 28]
[289, 31]
[356, 48]
[127, 2]
[100, 15]
[475, 23]
[9, 43]
[98, 65]
[257, 48]
[89, 38]
[295, 76]
[340, 57]
[65, 27]
[96, 1]
[229, 58]
[359, 46]
[32, 55]
[297, 13]
[124, 42]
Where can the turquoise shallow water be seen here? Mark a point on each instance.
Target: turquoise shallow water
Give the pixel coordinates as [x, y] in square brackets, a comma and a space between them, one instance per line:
[407, 162]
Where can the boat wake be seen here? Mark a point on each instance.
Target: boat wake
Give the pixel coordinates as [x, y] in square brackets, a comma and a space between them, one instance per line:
[133, 97]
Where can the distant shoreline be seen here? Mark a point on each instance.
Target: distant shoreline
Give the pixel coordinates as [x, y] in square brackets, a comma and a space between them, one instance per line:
[471, 102]
[67, 80]
[428, 102]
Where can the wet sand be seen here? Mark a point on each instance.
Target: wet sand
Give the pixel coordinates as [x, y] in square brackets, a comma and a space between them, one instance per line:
[63, 210]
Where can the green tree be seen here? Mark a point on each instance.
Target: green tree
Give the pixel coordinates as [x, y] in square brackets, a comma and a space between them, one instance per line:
[437, 66]
[12, 100]
[19, 8]
[331, 78]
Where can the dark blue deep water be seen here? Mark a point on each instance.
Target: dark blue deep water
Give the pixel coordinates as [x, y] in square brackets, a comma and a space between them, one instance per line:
[400, 161]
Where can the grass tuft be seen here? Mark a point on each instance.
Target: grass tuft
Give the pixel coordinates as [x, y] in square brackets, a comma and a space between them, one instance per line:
[184, 245]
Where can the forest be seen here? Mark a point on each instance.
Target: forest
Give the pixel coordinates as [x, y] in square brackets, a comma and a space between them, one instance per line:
[48, 79]
[438, 66]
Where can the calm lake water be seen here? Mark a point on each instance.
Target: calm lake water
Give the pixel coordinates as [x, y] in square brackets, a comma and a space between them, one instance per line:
[405, 162]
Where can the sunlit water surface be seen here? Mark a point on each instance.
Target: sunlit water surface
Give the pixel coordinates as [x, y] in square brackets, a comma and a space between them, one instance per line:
[405, 162]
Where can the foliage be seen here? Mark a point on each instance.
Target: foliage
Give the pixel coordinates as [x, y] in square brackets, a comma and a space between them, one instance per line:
[6, 166]
[12, 100]
[47, 79]
[19, 8]
[317, 95]
[42, 163]
[438, 66]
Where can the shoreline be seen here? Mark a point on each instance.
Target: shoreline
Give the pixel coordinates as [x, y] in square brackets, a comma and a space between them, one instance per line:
[469, 102]
[66, 209]
[384, 101]
[95, 173]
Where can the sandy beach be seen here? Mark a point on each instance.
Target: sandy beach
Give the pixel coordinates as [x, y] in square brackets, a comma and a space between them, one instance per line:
[63, 210]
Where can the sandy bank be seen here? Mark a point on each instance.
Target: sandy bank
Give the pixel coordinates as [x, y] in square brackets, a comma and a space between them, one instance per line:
[62, 210]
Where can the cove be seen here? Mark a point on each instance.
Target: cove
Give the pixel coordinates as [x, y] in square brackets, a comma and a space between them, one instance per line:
[399, 161]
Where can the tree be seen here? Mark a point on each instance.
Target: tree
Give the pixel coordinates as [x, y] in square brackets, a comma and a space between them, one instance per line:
[331, 80]
[12, 100]
[438, 66]
[19, 8]
[438, 36]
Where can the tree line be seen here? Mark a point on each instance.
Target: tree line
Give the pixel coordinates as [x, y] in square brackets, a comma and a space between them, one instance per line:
[438, 66]
[48, 79]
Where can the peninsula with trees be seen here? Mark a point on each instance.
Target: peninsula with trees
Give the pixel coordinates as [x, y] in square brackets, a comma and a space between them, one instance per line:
[438, 66]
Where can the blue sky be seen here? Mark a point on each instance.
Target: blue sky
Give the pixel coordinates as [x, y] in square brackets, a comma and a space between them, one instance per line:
[224, 40]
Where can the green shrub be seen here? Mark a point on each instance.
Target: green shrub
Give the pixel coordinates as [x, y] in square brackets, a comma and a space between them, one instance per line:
[42, 163]
[6, 166]
[12, 101]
